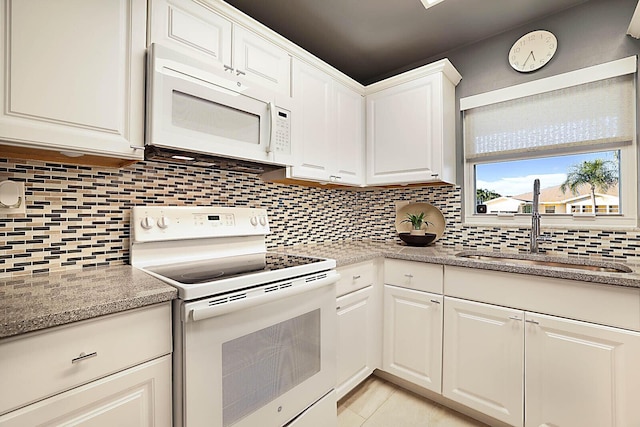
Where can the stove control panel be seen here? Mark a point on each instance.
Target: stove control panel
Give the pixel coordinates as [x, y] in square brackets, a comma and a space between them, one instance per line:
[157, 223]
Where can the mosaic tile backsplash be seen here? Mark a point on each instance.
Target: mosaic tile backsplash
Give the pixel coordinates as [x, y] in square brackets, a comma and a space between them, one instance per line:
[78, 216]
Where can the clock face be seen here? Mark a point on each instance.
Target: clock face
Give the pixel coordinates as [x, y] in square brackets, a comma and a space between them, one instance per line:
[532, 51]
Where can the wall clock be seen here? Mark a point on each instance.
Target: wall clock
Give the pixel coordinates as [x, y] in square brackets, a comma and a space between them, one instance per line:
[533, 51]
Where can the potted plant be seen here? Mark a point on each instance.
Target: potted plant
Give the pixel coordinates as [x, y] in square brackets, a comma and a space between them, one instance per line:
[416, 221]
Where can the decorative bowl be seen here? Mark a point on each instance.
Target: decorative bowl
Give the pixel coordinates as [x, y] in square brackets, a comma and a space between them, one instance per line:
[417, 240]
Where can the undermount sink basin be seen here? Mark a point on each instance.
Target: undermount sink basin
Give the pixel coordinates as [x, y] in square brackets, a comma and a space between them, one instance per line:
[547, 261]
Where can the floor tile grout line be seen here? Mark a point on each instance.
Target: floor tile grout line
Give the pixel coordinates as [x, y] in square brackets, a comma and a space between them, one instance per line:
[382, 404]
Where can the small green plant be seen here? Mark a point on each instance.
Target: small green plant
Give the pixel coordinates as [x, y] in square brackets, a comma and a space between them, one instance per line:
[417, 220]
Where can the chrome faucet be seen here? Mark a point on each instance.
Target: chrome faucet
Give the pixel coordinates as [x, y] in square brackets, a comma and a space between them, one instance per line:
[536, 237]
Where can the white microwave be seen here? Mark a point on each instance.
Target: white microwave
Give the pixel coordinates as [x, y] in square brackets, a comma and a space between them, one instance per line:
[195, 109]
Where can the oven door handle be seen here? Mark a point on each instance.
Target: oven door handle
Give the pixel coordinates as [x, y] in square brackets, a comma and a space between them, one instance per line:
[201, 311]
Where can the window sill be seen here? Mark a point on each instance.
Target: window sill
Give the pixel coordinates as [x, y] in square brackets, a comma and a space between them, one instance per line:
[583, 221]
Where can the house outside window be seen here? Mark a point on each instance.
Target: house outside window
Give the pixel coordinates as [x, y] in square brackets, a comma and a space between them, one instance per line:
[547, 129]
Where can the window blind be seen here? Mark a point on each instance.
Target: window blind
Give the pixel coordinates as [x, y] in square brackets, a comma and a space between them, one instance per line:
[596, 114]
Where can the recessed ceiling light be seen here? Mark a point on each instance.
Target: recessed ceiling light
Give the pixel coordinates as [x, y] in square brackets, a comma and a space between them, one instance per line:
[428, 3]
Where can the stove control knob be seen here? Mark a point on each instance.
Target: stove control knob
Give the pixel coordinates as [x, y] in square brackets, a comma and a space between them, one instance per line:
[263, 221]
[147, 223]
[164, 222]
[254, 220]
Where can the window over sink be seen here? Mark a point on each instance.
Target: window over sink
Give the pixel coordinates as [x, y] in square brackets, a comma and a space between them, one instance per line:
[576, 132]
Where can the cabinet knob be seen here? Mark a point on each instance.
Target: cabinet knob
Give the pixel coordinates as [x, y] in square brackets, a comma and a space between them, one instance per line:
[228, 68]
[238, 72]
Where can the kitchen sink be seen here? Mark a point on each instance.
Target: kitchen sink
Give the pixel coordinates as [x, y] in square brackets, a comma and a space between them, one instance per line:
[547, 261]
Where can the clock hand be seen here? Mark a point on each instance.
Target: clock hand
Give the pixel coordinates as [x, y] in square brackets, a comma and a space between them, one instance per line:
[533, 56]
[529, 56]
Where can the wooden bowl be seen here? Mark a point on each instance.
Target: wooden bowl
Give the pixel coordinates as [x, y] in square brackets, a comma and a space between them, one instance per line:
[417, 240]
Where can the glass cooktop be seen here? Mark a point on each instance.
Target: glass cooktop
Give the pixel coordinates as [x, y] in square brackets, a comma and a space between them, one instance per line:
[206, 271]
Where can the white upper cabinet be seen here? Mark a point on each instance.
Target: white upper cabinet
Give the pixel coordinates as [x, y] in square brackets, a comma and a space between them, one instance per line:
[327, 128]
[73, 77]
[192, 28]
[201, 32]
[349, 135]
[311, 124]
[411, 126]
[261, 61]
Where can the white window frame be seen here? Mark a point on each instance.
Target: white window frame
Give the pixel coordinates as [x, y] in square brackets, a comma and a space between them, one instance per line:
[628, 155]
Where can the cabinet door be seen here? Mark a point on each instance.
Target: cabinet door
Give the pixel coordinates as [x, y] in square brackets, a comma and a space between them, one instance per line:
[312, 126]
[404, 125]
[356, 339]
[412, 347]
[580, 374]
[136, 397]
[192, 28]
[74, 76]
[260, 61]
[349, 135]
[483, 358]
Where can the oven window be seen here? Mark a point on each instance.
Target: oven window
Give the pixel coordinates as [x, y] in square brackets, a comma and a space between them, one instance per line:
[260, 366]
[200, 115]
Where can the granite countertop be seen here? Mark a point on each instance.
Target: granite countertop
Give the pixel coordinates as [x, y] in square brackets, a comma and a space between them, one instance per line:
[32, 303]
[351, 252]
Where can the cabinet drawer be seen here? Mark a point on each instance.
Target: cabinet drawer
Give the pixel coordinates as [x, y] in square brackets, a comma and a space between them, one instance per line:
[355, 276]
[46, 362]
[413, 275]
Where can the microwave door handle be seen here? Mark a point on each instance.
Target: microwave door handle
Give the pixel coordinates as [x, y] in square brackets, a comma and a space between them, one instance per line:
[272, 130]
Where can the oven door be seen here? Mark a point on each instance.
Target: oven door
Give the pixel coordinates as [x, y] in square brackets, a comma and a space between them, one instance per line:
[194, 107]
[263, 362]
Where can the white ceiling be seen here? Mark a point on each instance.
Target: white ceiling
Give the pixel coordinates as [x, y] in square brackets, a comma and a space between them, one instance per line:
[368, 39]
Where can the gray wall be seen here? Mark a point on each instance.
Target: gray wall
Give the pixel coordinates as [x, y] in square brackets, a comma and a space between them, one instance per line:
[589, 34]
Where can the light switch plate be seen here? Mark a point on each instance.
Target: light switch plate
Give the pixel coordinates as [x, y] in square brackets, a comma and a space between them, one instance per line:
[21, 207]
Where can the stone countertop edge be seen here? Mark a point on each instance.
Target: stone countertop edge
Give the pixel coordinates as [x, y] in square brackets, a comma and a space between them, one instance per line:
[33, 303]
[352, 252]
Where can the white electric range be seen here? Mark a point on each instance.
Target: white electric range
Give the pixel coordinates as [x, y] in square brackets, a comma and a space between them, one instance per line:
[254, 331]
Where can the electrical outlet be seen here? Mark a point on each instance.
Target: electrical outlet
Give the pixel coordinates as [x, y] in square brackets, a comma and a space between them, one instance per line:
[12, 198]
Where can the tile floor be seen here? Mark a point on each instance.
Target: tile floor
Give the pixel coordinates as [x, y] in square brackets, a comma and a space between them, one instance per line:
[379, 403]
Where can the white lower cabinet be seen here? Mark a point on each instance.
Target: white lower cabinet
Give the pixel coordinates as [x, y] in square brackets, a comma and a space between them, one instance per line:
[356, 339]
[136, 397]
[483, 358]
[358, 336]
[112, 370]
[531, 369]
[412, 347]
[580, 374]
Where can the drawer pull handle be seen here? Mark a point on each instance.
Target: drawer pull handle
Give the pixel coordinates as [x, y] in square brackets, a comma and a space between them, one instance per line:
[535, 322]
[435, 301]
[356, 277]
[338, 308]
[408, 275]
[84, 356]
[515, 318]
